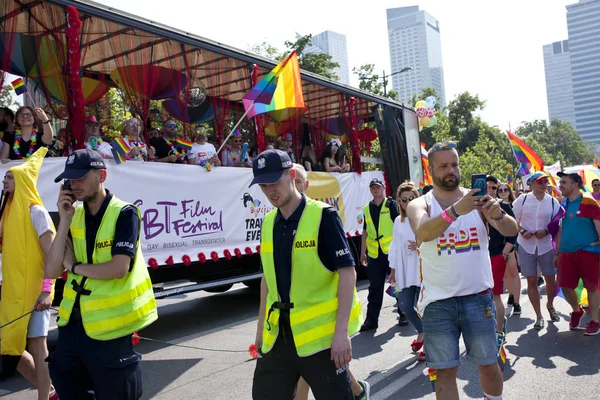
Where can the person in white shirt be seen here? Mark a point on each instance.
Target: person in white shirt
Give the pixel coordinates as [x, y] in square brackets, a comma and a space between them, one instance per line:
[202, 151]
[93, 139]
[456, 299]
[404, 262]
[534, 211]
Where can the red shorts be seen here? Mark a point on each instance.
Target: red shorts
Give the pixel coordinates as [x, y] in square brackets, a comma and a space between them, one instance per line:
[579, 265]
[498, 269]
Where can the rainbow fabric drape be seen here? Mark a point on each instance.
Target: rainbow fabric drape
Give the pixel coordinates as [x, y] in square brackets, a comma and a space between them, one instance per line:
[280, 89]
[528, 159]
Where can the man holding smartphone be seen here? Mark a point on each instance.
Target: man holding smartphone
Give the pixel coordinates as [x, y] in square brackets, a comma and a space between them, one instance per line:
[108, 293]
[450, 224]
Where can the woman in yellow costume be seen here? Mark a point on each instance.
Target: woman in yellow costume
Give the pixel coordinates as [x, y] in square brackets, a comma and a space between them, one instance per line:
[27, 234]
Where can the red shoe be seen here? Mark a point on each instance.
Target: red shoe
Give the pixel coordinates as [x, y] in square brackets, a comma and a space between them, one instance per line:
[593, 328]
[421, 356]
[416, 346]
[576, 319]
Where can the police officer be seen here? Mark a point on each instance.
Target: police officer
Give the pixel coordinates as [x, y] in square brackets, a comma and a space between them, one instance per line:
[378, 228]
[108, 293]
[309, 307]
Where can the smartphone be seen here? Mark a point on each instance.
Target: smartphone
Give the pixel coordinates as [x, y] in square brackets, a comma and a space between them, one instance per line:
[478, 181]
[67, 185]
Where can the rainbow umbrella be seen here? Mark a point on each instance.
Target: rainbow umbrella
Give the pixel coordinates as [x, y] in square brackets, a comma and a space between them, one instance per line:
[56, 86]
[193, 115]
[19, 53]
[149, 81]
[587, 172]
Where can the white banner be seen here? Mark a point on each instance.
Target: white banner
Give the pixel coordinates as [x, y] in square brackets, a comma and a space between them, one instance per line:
[187, 210]
[553, 169]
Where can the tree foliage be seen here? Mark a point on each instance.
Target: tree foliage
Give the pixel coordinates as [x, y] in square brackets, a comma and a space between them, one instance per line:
[7, 99]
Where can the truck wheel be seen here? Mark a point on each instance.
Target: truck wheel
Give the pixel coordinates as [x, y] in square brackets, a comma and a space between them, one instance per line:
[219, 289]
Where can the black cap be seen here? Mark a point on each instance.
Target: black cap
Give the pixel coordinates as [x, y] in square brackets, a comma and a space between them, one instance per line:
[375, 181]
[574, 176]
[80, 163]
[269, 166]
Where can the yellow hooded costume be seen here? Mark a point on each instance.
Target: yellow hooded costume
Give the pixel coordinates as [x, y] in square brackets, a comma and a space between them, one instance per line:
[22, 256]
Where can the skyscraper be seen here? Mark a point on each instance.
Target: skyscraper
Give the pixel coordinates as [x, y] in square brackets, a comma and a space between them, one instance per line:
[583, 21]
[334, 44]
[559, 84]
[414, 39]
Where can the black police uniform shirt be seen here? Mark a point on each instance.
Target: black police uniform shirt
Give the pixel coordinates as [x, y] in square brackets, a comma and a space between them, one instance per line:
[332, 245]
[127, 231]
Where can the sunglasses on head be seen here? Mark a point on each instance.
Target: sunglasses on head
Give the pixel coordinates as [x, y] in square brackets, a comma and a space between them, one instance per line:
[503, 190]
[171, 125]
[406, 199]
[444, 145]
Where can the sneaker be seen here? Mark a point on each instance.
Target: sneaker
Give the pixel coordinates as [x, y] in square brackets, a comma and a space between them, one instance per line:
[540, 281]
[402, 320]
[539, 324]
[593, 328]
[576, 319]
[517, 309]
[368, 326]
[364, 395]
[511, 300]
[554, 315]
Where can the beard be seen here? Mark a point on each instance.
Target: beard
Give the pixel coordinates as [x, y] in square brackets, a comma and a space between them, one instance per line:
[448, 182]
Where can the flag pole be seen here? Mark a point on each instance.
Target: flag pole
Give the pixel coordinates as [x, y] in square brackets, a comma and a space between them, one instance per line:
[31, 98]
[235, 127]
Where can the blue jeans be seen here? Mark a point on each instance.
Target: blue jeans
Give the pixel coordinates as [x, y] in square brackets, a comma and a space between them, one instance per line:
[407, 299]
[472, 316]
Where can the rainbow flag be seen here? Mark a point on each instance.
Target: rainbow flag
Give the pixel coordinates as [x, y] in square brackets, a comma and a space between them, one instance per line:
[528, 159]
[425, 161]
[502, 357]
[184, 144]
[119, 158]
[509, 178]
[278, 93]
[432, 377]
[121, 146]
[19, 86]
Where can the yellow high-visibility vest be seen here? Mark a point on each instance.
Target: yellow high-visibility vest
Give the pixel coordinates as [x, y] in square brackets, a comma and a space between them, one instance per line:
[313, 291]
[385, 230]
[114, 307]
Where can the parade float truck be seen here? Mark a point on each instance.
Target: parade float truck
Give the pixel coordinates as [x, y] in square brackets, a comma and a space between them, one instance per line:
[200, 229]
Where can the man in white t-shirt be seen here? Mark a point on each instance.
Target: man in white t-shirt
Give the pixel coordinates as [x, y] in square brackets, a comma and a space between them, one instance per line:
[202, 151]
[456, 299]
[534, 211]
[93, 139]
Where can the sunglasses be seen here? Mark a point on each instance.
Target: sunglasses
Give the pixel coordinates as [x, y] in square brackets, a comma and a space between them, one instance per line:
[132, 124]
[171, 125]
[237, 141]
[406, 199]
[493, 187]
[444, 145]
[542, 181]
[503, 190]
[596, 185]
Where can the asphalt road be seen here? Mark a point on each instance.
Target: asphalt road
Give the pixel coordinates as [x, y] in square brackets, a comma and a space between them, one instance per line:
[554, 363]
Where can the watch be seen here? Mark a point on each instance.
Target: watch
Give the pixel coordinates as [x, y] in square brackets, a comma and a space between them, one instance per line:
[76, 263]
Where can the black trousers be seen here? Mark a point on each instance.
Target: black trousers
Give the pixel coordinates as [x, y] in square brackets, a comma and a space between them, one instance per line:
[377, 272]
[277, 372]
[79, 364]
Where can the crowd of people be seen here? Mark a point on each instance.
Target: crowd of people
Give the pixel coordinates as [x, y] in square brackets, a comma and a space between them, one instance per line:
[19, 138]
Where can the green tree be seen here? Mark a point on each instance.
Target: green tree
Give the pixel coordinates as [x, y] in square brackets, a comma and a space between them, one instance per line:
[266, 50]
[559, 140]
[464, 126]
[7, 99]
[485, 157]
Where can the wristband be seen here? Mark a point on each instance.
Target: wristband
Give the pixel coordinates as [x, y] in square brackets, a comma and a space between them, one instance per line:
[447, 217]
[47, 285]
[500, 217]
[46, 122]
[454, 211]
[76, 263]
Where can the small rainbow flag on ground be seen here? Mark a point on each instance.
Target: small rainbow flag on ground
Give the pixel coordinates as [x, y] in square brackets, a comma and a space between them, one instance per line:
[184, 144]
[501, 357]
[19, 86]
[528, 159]
[279, 92]
[121, 146]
